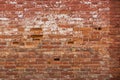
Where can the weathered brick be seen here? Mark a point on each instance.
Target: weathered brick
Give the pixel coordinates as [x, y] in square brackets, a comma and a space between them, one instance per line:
[59, 39]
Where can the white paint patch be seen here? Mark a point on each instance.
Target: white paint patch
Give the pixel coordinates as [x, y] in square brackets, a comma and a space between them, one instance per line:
[95, 16]
[4, 19]
[51, 25]
[0, 32]
[36, 26]
[77, 19]
[93, 12]
[26, 9]
[15, 29]
[58, 2]
[62, 16]
[20, 15]
[40, 22]
[87, 2]
[13, 2]
[27, 29]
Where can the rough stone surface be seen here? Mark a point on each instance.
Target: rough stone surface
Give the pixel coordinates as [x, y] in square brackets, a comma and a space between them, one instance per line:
[59, 39]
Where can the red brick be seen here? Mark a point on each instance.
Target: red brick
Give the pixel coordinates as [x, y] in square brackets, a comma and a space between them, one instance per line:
[61, 40]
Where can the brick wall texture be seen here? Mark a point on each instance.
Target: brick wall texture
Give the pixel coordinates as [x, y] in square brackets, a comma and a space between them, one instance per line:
[59, 39]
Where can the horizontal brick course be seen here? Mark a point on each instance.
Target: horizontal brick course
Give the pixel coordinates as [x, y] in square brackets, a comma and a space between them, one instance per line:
[59, 40]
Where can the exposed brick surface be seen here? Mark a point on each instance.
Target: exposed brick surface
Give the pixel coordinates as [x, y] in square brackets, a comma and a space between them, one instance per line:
[59, 39]
[114, 34]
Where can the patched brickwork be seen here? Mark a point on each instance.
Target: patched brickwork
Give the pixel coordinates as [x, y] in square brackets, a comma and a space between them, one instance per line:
[59, 40]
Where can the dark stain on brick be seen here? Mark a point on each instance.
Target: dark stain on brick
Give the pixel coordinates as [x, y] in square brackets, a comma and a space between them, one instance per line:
[36, 39]
[15, 43]
[36, 36]
[70, 42]
[36, 29]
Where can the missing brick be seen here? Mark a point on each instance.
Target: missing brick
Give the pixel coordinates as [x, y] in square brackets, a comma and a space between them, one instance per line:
[98, 28]
[56, 59]
[70, 42]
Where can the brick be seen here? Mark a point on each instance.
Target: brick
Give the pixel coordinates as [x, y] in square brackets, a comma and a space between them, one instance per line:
[59, 39]
[36, 36]
[66, 25]
[30, 45]
[36, 31]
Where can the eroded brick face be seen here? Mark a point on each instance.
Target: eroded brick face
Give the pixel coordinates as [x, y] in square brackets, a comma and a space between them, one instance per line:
[59, 39]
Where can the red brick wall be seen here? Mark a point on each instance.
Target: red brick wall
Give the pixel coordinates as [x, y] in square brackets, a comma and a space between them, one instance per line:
[114, 34]
[59, 40]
